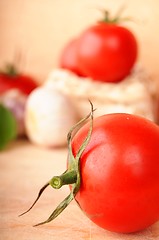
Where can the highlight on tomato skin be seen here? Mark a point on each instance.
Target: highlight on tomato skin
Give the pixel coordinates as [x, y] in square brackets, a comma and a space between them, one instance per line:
[120, 172]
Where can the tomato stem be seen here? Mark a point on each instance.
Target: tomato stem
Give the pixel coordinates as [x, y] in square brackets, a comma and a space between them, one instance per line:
[72, 174]
[9, 70]
[107, 18]
[68, 177]
[116, 19]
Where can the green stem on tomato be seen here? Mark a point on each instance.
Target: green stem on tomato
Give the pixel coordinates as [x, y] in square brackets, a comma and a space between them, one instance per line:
[114, 20]
[9, 70]
[68, 177]
[72, 175]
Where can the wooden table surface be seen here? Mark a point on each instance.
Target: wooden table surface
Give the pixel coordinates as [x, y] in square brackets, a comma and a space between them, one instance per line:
[24, 168]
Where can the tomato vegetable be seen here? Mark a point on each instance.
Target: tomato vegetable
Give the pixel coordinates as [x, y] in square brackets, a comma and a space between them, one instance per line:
[113, 172]
[120, 173]
[10, 78]
[107, 51]
[68, 58]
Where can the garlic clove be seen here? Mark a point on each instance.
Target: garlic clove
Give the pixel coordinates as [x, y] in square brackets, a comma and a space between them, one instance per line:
[48, 117]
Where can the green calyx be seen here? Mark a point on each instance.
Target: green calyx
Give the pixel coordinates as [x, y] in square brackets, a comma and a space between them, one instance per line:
[114, 20]
[72, 175]
[9, 70]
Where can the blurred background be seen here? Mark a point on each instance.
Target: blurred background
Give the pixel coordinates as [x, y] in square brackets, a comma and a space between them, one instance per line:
[37, 30]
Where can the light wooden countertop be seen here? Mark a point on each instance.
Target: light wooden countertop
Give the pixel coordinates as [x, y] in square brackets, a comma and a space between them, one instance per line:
[24, 169]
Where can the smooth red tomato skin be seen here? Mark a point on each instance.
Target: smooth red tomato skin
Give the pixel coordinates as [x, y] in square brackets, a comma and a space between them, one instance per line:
[107, 52]
[120, 172]
[68, 58]
[21, 82]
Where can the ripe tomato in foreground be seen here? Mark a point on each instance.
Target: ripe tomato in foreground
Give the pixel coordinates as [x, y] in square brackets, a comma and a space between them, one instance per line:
[119, 188]
[113, 172]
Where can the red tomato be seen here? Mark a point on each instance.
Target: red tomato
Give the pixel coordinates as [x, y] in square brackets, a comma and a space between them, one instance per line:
[120, 172]
[24, 83]
[107, 52]
[68, 59]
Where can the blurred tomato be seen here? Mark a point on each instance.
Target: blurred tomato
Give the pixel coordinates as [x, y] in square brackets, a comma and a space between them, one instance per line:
[107, 52]
[68, 59]
[11, 79]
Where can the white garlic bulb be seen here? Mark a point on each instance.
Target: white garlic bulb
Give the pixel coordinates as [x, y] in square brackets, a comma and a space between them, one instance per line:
[49, 116]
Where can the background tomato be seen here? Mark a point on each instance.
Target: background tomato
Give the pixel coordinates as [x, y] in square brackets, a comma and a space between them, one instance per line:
[10, 79]
[107, 52]
[120, 172]
[68, 59]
